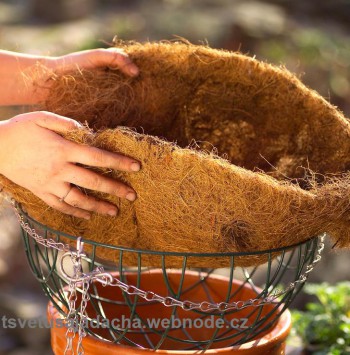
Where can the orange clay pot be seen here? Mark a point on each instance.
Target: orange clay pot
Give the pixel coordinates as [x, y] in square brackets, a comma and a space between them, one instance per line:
[271, 342]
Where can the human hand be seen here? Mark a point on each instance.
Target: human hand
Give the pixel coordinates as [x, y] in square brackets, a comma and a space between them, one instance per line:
[34, 156]
[114, 58]
[24, 77]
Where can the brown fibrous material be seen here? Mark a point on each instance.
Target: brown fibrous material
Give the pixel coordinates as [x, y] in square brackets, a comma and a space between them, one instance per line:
[283, 179]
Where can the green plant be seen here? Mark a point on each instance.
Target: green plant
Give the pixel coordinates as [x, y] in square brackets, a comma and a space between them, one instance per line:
[325, 325]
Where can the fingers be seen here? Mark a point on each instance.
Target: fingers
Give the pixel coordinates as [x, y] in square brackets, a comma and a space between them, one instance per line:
[90, 59]
[116, 58]
[54, 202]
[77, 198]
[93, 181]
[92, 156]
[48, 120]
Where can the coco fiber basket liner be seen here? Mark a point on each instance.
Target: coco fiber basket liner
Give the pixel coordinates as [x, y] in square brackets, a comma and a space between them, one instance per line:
[285, 174]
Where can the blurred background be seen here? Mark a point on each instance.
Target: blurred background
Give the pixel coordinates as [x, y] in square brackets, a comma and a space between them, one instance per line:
[310, 38]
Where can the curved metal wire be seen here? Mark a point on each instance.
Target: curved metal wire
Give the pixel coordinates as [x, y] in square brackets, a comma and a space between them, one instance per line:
[109, 303]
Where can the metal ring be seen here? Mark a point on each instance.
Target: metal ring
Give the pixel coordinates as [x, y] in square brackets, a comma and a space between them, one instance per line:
[65, 196]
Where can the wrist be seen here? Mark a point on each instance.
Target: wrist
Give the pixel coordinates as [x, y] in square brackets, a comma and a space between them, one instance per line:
[60, 63]
[23, 77]
[52, 63]
[38, 72]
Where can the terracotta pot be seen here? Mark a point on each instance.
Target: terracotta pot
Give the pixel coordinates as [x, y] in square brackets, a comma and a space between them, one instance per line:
[271, 341]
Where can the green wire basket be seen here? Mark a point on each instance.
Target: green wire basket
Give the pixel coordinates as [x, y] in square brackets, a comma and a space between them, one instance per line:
[113, 302]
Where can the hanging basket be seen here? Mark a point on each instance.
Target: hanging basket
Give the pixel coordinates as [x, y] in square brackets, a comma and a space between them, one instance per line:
[97, 307]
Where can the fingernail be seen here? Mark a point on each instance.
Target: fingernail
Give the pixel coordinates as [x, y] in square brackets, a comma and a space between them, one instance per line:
[112, 213]
[133, 69]
[135, 166]
[131, 196]
[87, 217]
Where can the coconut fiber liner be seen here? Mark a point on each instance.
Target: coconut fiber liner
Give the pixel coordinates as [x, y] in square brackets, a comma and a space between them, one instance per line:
[260, 160]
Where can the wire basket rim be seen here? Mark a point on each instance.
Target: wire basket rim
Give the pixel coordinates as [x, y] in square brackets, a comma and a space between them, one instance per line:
[166, 253]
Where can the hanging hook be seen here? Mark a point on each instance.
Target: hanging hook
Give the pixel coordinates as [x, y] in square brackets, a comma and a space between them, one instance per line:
[98, 274]
[80, 246]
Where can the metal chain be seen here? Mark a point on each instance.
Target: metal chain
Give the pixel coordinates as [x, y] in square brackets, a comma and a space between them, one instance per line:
[73, 318]
[106, 278]
[48, 243]
[83, 316]
[222, 306]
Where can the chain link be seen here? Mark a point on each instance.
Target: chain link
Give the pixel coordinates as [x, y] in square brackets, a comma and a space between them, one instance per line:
[83, 316]
[48, 243]
[71, 318]
[74, 319]
[99, 275]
